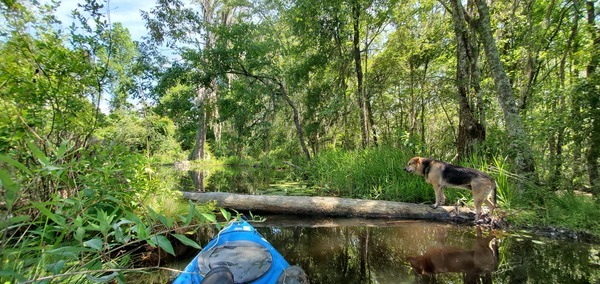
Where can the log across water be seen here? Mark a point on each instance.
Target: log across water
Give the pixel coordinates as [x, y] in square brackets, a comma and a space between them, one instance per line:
[331, 206]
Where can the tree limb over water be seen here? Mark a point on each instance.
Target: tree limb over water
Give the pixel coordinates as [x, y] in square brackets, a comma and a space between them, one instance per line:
[332, 206]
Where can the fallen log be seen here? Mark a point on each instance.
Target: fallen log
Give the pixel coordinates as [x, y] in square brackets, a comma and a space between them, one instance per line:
[332, 206]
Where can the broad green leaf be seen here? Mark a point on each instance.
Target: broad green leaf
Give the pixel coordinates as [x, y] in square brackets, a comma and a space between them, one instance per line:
[153, 213]
[59, 220]
[78, 222]
[15, 164]
[88, 192]
[62, 149]
[95, 243]
[164, 220]
[38, 154]
[56, 267]
[209, 217]
[79, 234]
[18, 219]
[11, 192]
[187, 241]
[226, 214]
[164, 243]
[187, 219]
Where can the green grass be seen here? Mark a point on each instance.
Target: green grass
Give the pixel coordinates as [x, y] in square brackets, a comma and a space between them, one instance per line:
[376, 173]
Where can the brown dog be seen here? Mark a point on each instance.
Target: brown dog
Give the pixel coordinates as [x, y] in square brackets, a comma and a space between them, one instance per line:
[441, 175]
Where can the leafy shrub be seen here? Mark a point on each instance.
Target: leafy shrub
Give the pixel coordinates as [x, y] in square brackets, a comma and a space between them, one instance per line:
[97, 210]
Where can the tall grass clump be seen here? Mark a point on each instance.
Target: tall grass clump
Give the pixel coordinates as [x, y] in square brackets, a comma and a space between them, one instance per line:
[499, 169]
[567, 209]
[375, 173]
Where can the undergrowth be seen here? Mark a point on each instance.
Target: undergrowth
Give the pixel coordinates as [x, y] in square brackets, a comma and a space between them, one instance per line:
[377, 173]
[79, 215]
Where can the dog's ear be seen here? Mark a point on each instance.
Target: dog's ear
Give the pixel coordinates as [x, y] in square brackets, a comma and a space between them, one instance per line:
[416, 161]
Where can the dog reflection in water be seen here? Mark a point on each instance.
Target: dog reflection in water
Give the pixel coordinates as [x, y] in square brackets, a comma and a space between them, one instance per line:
[476, 264]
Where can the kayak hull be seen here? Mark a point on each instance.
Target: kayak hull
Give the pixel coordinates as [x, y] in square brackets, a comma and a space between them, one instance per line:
[241, 248]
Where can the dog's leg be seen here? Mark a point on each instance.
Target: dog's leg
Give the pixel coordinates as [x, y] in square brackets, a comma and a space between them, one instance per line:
[440, 198]
[478, 201]
[490, 205]
[443, 196]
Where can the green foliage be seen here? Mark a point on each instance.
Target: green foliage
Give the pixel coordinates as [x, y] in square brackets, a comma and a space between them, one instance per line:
[564, 209]
[84, 231]
[151, 135]
[376, 173]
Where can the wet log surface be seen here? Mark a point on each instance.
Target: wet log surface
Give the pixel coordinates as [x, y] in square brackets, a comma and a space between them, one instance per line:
[332, 206]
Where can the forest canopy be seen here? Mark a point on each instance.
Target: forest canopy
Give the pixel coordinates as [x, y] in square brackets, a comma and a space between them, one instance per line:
[290, 79]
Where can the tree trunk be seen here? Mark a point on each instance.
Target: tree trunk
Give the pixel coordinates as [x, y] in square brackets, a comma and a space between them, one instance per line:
[299, 130]
[593, 98]
[197, 177]
[557, 155]
[205, 93]
[198, 152]
[521, 150]
[470, 131]
[331, 206]
[362, 103]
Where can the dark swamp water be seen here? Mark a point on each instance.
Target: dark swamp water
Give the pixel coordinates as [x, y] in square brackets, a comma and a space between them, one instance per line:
[334, 250]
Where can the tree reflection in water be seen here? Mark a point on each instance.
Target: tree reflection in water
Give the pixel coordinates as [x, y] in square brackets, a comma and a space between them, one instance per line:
[381, 253]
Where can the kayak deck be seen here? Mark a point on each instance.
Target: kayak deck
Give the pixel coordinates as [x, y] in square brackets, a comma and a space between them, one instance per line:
[244, 252]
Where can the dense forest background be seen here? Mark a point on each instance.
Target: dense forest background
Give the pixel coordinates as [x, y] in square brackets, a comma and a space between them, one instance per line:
[343, 91]
[446, 79]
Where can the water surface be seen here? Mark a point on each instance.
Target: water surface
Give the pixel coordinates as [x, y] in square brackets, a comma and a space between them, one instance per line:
[396, 251]
[401, 251]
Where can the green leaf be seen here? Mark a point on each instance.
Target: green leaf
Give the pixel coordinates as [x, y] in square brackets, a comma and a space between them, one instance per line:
[95, 243]
[167, 221]
[15, 164]
[88, 192]
[79, 234]
[69, 251]
[153, 213]
[187, 241]
[56, 267]
[59, 220]
[11, 193]
[11, 273]
[102, 279]
[62, 149]
[225, 214]
[38, 154]
[18, 219]
[164, 243]
[209, 216]
[51, 168]
[187, 219]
